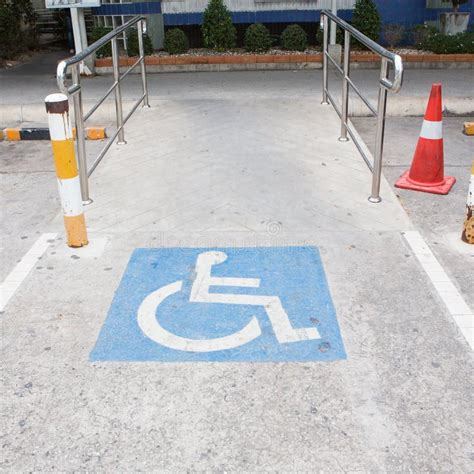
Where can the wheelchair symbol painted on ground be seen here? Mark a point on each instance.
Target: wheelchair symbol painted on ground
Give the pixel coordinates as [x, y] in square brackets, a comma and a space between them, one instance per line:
[148, 320]
[222, 305]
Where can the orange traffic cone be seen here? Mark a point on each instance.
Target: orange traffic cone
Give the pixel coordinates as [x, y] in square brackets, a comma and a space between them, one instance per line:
[427, 169]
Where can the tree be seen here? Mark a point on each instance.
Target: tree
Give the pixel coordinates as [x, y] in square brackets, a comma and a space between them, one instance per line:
[366, 19]
[217, 28]
[17, 27]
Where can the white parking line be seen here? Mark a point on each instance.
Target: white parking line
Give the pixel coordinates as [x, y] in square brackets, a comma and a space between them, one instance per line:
[22, 269]
[460, 311]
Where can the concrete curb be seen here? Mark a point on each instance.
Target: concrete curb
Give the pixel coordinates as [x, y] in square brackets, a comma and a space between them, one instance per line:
[236, 61]
[277, 66]
[398, 106]
[13, 134]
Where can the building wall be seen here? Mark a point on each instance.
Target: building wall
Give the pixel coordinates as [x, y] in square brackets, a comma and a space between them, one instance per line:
[186, 13]
[415, 12]
[406, 12]
[189, 12]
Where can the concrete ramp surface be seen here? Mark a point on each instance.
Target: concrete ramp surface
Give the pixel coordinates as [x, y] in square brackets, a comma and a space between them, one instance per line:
[235, 177]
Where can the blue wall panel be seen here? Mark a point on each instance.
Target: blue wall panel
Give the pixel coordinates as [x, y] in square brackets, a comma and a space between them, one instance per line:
[406, 12]
[275, 16]
[414, 12]
[138, 8]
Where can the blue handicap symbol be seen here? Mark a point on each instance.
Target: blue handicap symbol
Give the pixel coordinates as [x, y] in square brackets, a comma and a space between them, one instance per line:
[222, 304]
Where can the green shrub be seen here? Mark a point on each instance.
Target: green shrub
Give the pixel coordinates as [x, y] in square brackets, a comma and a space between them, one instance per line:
[176, 41]
[450, 44]
[393, 34]
[97, 33]
[132, 44]
[217, 29]
[366, 19]
[18, 31]
[419, 34]
[294, 38]
[257, 38]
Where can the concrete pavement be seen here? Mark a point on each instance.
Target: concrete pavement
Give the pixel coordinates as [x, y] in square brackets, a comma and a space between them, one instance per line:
[228, 170]
[439, 218]
[24, 88]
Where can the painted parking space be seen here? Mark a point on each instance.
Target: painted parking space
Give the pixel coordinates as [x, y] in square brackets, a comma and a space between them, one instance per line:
[222, 304]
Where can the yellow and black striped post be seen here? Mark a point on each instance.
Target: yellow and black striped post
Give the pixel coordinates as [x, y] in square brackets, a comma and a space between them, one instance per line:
[57, 107]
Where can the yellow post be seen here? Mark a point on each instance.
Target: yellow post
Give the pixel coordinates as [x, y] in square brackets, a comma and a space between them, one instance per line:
[57, 107]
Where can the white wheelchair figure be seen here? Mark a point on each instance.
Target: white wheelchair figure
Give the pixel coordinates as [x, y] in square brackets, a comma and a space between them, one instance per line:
[284, 331]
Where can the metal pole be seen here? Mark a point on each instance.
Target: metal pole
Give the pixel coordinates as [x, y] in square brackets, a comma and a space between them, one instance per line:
[325, 59]
[333, 24]
[140, 31]
[345, 87]
[118, 94]
[80, 136]
[381, 109]
[79, 33]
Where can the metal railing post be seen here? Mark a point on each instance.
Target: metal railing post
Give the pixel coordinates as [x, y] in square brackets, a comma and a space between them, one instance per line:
[80, 136]
[118, 94]
[140, 31]
[345, 87]
[325, 59]
[379, 138]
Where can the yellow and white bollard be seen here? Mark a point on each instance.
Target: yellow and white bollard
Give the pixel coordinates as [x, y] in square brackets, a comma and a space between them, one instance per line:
[468, 231]
[57, 107]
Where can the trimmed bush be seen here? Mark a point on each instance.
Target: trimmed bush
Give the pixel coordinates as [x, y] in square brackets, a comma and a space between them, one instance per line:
[132, 44]
[176, 41]
[257, 38]
[97, 33]
[294, 38]
[366, 19]
[419, 34]
[217, 29]
[450, 44]
[393, 34]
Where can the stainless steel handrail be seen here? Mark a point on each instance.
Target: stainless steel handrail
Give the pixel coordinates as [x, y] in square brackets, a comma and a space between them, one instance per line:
[74, 90]
[385, 85]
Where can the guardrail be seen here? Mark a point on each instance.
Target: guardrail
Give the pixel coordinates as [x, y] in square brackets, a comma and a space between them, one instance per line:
[74, 89]
[385, 84]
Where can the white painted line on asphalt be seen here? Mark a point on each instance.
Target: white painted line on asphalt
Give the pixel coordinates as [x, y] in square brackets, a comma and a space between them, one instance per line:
[460, 311]
[22, 269]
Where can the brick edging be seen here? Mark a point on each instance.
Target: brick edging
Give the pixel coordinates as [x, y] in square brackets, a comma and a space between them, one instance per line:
[279, 58]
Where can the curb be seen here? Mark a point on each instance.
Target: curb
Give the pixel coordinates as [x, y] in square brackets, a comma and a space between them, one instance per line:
[275, 66]
[38, 133]
[402, 106]
[434, 60]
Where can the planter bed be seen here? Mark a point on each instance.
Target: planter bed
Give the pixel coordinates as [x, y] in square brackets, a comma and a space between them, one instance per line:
[205, 60]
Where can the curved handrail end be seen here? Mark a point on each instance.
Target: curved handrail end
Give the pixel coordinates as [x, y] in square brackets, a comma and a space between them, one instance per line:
[61, 76]
[398, 74]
